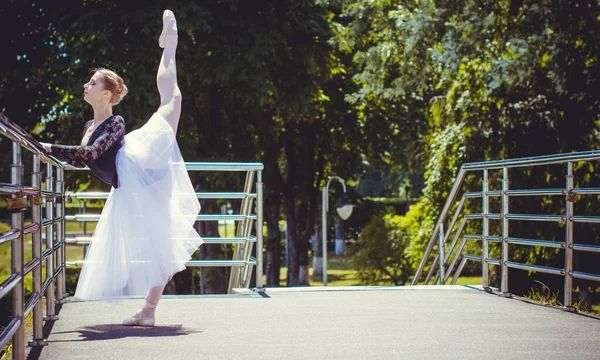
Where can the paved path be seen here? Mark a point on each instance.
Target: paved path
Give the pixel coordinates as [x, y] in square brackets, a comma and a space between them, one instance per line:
[424, 322]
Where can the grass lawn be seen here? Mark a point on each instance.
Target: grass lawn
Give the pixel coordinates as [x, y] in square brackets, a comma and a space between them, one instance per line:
[463, 280]
[339, 269]
[341, 273]
[468, 280]
[74, 252]
[28, 324]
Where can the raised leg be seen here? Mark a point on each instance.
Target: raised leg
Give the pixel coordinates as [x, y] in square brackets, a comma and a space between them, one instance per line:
[166, 77]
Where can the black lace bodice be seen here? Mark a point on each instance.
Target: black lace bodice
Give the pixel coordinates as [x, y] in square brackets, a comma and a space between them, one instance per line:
[100, 152]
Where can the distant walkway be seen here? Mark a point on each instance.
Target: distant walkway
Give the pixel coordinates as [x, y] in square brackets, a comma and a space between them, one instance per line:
[423, 322]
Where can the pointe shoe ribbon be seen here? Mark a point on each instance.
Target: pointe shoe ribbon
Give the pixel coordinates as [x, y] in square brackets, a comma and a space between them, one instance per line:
[138, 318]
[166, 36]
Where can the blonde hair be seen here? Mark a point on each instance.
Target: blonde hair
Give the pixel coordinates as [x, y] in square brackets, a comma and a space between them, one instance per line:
[113, 83]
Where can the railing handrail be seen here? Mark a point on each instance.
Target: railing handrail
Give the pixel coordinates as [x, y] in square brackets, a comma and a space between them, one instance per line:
[96, 195]
[53, 223]
[16, 134]
[204, 166]
[533, 161]
[221, 166]
[495, 164]
[505, 216]
[245, 218]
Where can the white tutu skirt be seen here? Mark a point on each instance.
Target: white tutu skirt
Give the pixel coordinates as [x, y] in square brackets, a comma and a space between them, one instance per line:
[146, 230]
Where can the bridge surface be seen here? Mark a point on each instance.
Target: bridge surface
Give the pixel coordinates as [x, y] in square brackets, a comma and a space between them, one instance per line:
[421, 322]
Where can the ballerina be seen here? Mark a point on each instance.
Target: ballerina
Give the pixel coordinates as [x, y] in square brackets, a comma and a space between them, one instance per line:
[146, 230]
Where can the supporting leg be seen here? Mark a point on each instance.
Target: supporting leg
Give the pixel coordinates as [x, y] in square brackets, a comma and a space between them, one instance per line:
[146, 315]
[152, 299]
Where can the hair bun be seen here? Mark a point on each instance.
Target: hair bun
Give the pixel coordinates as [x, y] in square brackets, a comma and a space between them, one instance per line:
[113, 83]
[123, 90]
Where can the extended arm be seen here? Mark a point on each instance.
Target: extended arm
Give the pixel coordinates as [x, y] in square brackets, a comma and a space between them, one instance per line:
[76, 154]
[77, 163]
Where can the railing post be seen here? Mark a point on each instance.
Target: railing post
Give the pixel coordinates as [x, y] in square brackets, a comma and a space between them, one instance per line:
[441, 256]
[505, 234]
[431, 270]
[259, 231]
[485, 209]
[50, 299]
[425, 256]
[569, 242]
[38, 322]
[17, 260]
[236, 274]
[458, 182]
[60, 237]
[324, 208]
[245, 273]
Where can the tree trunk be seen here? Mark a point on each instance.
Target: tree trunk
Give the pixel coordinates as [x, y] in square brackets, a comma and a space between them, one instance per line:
[301, 197]
[317, 258]
[293, 248]
[340, 246]
[272, 211]
[289, 195]
[303, 275]
[273, 261]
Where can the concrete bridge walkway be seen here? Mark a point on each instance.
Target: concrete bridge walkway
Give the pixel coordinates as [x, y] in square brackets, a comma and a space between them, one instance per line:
[423, 322]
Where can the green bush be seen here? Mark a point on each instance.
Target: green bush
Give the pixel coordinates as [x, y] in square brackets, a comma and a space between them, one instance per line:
[446, 147]
[379, 253]
[391, 247]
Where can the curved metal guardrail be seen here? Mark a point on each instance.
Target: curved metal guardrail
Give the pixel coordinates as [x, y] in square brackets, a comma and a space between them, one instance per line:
[242, 262]
[447, 255]
[20, 197]
[51, 258]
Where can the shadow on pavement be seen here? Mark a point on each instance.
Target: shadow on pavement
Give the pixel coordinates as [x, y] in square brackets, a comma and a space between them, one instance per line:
[115, 331]
[35, 352]
[118, 331]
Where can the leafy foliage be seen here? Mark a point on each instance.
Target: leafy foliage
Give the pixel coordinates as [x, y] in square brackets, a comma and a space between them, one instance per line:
[259, 83]
[477, 80]
[379, 253]
[354, 88]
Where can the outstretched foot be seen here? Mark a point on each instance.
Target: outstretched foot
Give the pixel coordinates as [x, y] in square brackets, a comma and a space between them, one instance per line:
[144, 316]
[168, 36]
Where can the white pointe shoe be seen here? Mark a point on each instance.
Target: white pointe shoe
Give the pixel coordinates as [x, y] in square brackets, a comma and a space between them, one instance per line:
[167, 36]
[138, 318]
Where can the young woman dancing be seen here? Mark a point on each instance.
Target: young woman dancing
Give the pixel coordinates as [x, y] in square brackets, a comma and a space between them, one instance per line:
[146, 231]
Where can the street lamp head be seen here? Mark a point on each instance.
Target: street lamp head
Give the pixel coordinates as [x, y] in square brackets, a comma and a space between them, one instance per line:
[344, 209]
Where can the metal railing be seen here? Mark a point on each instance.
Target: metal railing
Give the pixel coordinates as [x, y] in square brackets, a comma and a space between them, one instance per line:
[52, 259]
[242, 262]
[447, 255]
[20, 198]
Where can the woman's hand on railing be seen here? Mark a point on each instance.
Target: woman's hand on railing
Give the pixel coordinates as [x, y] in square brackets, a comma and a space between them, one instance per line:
[47, 147]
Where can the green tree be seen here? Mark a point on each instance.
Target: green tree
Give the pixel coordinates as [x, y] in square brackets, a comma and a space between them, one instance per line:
[517, 78]
[258, 84]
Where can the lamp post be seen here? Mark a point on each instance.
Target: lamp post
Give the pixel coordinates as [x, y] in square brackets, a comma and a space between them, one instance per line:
[344, 210]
